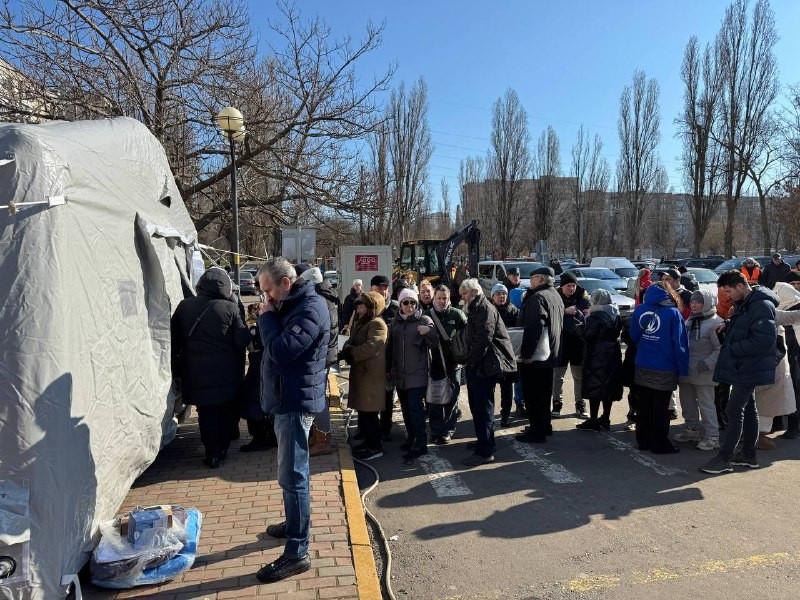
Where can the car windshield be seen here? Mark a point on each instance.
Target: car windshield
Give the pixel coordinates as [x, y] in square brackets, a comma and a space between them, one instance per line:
[525, 268]
[732, 263]
[626, 272]
[704, 275]
[591, 285]
[599, 273]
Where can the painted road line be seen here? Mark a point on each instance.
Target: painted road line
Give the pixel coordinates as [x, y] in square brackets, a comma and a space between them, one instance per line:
[594, 583]
[642, 458]
[553, 471]
[445, 481]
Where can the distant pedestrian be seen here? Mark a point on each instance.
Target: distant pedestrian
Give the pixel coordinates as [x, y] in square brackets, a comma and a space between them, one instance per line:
[260, 425]
[751, 270]
[789, 298]
[662, 355]
[777, 270]
[747, 359]
[510, 316]
[542, 319]
[412, 335]
[365, 352]
[348, 307]
[209, 338]
[602, 362]
[672, 278]
[425, 295]
[697, 388]
[295, 330]
[576, 308]
[448, 321]
[511, 280]
[491, 358]
[380, 284]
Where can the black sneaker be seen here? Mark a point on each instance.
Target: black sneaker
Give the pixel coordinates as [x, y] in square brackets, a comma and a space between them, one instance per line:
[257, 446]
[790, 434]
[529, 438]
[476, 460]
[277, 530]
[740, 460]
[556, 414]
[368, 453]
[521, 412]
[589, 425]
[408, 457]
[282, 568]
[505, 421]
[717, 465]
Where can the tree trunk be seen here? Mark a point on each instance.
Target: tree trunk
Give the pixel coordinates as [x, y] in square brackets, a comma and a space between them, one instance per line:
[765, 235]
[730, 205]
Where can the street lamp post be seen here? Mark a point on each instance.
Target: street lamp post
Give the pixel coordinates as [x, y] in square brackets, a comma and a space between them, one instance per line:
[231, 122]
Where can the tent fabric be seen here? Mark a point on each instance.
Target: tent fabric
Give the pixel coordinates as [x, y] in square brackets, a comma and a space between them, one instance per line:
[87, 291]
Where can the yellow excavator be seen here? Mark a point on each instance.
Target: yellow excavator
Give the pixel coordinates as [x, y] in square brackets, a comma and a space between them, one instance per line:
[431, 259]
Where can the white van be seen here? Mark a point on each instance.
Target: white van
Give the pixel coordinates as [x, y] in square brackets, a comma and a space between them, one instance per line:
[624, 268]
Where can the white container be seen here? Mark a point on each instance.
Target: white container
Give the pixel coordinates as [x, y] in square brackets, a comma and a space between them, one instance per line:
[362, 262]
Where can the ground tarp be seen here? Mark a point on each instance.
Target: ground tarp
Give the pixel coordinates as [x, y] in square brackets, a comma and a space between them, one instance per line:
[88, 282]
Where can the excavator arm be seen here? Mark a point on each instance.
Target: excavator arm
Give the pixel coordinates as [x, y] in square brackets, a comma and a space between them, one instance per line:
[469, 234]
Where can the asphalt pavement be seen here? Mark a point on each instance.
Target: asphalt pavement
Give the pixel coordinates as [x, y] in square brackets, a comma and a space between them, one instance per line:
[587, 516]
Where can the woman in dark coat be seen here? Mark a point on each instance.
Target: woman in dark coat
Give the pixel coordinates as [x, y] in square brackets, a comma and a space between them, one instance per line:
[208, 342]
[259, 425]
[602, 360]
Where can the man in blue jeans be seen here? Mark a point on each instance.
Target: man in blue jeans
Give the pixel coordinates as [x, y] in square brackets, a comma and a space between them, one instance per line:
[747, 359]
[295, 329]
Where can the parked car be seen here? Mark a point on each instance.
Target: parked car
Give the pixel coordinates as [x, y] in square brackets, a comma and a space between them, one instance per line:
[494, 271]
[624, 304]
[600, 273]
[736, 263]
[706, 278]
[624, 268]
[247, 283]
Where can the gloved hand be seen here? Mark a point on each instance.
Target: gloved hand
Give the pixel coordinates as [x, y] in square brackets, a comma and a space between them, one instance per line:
[702, 367]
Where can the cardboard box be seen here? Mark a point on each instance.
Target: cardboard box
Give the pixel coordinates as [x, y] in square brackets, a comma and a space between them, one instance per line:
[140, 521]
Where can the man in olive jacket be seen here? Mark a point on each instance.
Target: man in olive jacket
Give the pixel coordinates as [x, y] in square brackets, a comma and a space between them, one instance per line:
[491, 355]
[542, 320]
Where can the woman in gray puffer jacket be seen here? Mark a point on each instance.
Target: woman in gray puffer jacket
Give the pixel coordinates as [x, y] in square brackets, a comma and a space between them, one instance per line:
[411, 337]
[697, 388]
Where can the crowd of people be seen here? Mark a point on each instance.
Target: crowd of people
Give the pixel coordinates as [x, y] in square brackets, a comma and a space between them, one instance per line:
[730, 361]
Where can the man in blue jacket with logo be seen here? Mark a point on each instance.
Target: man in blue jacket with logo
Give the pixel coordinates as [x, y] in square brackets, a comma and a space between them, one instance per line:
[748, 358]
[295, 329]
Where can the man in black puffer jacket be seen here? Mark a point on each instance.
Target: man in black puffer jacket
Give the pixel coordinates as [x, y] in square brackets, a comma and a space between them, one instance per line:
[208, 342]
[747, 359]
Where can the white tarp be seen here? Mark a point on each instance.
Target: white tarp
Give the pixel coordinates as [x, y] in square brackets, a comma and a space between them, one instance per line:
[87, 288]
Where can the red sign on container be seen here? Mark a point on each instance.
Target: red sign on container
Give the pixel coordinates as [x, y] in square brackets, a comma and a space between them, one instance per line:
[366, 262]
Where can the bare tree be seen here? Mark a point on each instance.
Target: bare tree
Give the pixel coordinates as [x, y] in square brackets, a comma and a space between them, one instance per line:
[750, 85]
[702, 155]
[410, 150]
[446, 226]
[476, 203]
[547, 195]
[589, 185]
[638, 166]
[508, 164]
[172, 64]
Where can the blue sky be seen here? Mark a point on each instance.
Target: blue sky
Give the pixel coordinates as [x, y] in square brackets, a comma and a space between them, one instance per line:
[567, 60]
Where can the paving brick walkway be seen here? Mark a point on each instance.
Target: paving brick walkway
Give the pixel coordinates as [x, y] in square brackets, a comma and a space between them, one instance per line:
[238, 500]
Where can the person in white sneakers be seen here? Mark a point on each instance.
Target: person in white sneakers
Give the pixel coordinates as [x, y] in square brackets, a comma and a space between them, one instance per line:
[697, 388]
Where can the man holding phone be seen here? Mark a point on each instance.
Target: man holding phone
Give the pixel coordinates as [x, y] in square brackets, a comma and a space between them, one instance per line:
[295, 330]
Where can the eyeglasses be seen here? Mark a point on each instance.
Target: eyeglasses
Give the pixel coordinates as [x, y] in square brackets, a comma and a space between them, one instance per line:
[409, 302]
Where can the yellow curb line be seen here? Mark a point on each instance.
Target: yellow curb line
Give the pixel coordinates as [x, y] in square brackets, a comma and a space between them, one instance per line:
[369, 587]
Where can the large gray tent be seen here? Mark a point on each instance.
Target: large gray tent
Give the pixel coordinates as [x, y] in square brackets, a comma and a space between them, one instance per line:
[89, 277]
